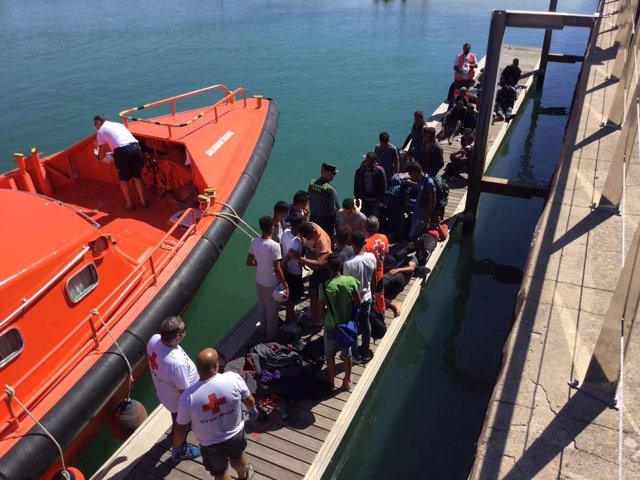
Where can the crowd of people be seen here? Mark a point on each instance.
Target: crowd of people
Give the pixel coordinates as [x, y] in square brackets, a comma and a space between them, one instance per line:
[398, 200]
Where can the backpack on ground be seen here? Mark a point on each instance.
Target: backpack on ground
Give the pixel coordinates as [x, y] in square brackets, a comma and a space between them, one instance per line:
[378, 327]
[442, 192]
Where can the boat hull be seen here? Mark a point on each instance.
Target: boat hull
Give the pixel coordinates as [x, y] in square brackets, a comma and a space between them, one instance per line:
[34, 454]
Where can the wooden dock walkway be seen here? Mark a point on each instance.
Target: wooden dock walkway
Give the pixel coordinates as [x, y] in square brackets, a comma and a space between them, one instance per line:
[284, 450]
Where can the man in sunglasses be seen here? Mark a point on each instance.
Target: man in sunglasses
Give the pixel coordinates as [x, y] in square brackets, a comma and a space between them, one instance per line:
[172, 372]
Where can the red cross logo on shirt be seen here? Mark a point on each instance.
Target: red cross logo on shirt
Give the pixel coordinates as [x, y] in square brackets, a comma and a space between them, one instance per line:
[214, 404]
[153, 363]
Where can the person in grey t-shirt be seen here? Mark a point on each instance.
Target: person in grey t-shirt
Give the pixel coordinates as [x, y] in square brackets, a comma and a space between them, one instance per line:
[350, 216]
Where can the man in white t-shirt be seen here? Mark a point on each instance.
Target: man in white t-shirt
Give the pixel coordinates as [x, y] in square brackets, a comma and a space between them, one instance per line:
[265, 254]
[292, 249]
[213, 408]
[172, 370]
[363, 268]
[127, 155]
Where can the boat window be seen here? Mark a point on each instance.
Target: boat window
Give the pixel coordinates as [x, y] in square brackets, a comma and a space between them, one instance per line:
[11, 345]
[82, 283]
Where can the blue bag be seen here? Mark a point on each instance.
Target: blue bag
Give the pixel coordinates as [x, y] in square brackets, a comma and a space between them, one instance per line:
[346, 334]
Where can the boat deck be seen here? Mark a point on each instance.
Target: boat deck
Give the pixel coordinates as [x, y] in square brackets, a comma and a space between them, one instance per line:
[286, 450]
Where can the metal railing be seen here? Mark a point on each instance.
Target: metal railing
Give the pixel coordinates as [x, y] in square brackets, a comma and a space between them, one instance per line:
[117, 304]
[228, 98]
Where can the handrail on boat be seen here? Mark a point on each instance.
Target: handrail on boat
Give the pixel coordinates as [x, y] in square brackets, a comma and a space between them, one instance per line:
[127, 286]
[229, 97]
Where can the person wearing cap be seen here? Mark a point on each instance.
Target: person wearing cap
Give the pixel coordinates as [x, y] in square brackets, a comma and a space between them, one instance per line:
[265, 254]
[323, 199]
[369, 185]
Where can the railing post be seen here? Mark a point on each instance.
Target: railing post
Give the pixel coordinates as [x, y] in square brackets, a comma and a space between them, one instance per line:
[603, 373]
[618, 112]
[612, 191]
[546, 46]
[485, 113]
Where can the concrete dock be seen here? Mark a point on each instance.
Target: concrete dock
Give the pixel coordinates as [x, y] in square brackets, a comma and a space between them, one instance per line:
[283, 449]
[537, 426]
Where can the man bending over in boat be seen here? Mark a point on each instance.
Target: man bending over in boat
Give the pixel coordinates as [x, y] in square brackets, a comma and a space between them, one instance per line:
[213, 408]
[172, 372]
[126, 153]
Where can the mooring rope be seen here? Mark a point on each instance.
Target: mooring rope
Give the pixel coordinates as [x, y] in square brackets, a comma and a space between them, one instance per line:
[95, 311]
[234, 215]
[11, 393]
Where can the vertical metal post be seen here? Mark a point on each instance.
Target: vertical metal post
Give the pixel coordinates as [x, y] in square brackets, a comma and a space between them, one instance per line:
[485, 113]
[546, 46]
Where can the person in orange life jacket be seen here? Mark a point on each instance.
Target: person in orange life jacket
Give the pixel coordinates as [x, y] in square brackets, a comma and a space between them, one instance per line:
[369, 185]
[172, 371]
[127, 156]
[378, 244]
[464, 67]
[213, 408]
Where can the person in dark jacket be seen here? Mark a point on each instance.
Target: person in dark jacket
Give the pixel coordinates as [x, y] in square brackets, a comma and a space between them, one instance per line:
[369, 185]
[505, 99]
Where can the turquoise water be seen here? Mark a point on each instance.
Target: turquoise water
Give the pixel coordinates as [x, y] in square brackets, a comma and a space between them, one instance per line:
[341, 71]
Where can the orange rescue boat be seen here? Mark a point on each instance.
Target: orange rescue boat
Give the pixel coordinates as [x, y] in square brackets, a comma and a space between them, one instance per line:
[79, 271]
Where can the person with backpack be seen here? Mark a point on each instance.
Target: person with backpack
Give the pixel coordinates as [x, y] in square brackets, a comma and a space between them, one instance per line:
[338, 295]
[442, 198]
[363, 268]
[425, 204]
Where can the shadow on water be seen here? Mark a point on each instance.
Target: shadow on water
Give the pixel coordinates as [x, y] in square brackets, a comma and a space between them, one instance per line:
[428, 403]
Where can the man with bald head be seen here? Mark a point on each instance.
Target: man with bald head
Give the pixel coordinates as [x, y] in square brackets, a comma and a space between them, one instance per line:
[213, 409]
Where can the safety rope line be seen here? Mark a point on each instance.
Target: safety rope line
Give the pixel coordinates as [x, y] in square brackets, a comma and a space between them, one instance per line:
[95, 311]
[232, 218]
[235, 214]
[11, 393]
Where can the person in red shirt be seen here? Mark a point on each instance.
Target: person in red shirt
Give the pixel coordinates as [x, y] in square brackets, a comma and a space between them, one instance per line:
[378, 244]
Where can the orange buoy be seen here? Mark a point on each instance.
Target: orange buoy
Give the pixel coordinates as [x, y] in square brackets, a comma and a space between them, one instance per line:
[70, 473]
[126, 417]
